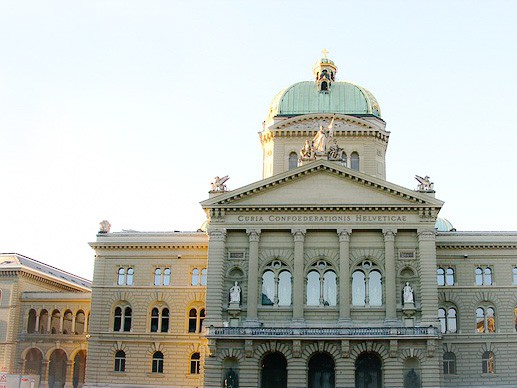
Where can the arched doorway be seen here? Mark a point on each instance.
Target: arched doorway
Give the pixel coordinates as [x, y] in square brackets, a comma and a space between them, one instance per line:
[79, 369]
[33, 360]
[57, 369]
[321, 371]
[368, 371]
[274, 371]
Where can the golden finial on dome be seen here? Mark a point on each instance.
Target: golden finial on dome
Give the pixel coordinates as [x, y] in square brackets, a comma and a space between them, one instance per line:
[324, 52]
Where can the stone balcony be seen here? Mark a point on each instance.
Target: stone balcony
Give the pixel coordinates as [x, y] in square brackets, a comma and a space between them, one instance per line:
[322, 333]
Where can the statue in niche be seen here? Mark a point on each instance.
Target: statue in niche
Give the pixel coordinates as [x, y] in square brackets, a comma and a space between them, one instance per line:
[408, 294]
[412, 380]
[235, 294]
[230, 380]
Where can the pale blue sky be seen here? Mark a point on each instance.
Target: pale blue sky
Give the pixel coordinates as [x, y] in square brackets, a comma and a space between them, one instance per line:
[126, 110]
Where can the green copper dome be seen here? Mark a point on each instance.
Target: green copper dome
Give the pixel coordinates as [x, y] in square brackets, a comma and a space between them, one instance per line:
[343, 97]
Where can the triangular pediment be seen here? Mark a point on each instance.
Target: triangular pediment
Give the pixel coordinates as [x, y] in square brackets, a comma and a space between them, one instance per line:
[322, 184]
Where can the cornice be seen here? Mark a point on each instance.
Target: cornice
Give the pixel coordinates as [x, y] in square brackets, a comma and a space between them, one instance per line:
[40, 279]
[114, 246]
[451, 246]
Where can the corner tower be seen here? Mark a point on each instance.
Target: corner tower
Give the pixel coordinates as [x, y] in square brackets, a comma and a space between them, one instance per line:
[342, 118]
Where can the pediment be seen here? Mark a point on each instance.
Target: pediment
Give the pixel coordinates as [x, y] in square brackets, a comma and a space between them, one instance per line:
[322, 184]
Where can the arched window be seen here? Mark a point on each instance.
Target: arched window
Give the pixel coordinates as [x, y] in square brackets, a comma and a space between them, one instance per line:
[195, 277]
[449, 277]
[344, 161]
[449, 363]
[485, 320]
[321, 285]
[324, 86]
[273, 371]
[43, 321]
[79, 322]
[67, 322]
[276, 285]
[159, 320]
[367, 285]
[440, 276]
[203, 277]
[31, 321]
[121, 276]
[412, 373]
[158, 277]
[321, 371]
[483, 276]
[54, 322]
[166, 276]
[157, 366]
[488, 362]
[293, 160]
[514, 272]
[122, 318]
[129, 277]
[195, 363]
[354, 161]
[448, 319]
[120, 361]
[195, 320]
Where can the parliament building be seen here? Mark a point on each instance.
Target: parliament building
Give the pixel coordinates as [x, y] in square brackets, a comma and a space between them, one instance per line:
[323, 274]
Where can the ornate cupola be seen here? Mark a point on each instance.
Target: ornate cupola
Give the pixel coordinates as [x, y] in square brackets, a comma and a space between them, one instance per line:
[324, 73]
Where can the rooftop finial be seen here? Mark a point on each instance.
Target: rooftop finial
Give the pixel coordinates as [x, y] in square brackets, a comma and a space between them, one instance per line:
[324, 52]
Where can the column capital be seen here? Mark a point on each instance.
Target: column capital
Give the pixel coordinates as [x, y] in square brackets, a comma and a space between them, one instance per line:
[389, 234]
[217, 234]
[253, 234]
[299, 234]
[344, 234]
[426, 235]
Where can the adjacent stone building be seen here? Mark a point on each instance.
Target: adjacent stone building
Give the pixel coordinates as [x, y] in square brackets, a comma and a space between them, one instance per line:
[44, 315]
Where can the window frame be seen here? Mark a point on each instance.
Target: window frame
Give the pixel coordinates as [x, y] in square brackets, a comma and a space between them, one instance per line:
[485, 318]
[195, 363]
[484, 275]
[445, 328]
[120, 361]
[159, 322]
[366, 267]
[449, 365]
[157, 362]
[488, 362]
[276, 268]
[195, 322]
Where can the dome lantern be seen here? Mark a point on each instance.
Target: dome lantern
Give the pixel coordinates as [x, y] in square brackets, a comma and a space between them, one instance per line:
[324, 73]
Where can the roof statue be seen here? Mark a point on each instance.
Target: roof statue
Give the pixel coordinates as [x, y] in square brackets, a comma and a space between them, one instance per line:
[322, 144]
[219, 183]
[424, 184]
[104, 226]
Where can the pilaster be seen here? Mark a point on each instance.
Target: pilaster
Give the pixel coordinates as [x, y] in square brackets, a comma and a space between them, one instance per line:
[252, 299]
[428, 286]
[390, 276]
[69, 375]
[214, 293]
[344, 276]
[299, 279]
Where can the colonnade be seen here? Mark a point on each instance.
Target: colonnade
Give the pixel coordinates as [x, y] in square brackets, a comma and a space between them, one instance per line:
[427, 257]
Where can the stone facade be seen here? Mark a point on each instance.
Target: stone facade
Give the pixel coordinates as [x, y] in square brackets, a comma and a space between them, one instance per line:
[44, 317]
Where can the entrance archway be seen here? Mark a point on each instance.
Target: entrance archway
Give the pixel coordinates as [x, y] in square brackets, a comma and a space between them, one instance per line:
[57, 369]
[33, 360]
[321, 371]
[368, 371]
[79, 369]
[274, 371]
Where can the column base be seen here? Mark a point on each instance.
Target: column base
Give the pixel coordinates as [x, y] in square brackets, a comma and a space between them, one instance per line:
[344, 322]
[252, 323]
[298, 322]
[391, 322]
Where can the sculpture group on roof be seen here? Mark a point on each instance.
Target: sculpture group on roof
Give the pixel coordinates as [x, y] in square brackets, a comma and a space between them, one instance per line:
[322, 144]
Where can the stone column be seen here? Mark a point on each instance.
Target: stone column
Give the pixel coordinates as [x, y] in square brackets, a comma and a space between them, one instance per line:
[85, 326]
[390, 276]
[428, 287]
[69, 374]
[344, 276]
[252, 299]
[73, 324]
[61, 319]
[298, 276]
[215, 276]
[36, 328]
[44, 374]
[49, 322]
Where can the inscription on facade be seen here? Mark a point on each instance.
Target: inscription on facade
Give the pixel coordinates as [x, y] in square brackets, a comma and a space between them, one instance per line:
[323, 218]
